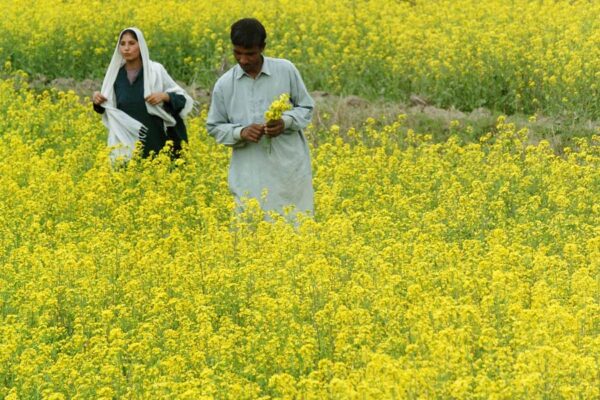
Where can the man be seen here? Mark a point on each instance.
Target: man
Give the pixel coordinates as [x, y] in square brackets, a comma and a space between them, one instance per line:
[281, 165]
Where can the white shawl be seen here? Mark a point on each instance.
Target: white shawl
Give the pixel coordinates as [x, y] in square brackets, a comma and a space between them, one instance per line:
[123, 131]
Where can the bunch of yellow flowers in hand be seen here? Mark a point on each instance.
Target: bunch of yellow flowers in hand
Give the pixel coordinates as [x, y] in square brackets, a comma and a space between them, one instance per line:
[275, 112]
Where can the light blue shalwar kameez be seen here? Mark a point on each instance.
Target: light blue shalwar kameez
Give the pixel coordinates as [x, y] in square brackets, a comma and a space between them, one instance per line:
[284, 167]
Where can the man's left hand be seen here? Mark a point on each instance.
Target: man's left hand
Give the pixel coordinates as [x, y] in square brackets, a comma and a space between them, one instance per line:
[274, 128]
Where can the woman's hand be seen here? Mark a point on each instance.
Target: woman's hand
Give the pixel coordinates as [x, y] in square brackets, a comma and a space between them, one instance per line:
[98, 98]
[157, 98]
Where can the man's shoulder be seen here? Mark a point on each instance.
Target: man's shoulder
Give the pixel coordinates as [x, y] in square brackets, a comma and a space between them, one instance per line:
[226, 78]
[280, 63]
[227, 75]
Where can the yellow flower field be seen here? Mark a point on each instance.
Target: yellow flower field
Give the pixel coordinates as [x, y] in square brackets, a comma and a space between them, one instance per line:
[513, 56]
[431, 270]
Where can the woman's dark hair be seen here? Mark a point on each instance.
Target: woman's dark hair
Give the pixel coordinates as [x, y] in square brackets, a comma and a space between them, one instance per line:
[248, 32]
[131, 32]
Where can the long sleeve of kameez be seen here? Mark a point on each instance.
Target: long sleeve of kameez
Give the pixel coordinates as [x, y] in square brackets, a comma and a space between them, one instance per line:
[300, 116]
[218, 125]
[175, 104]
[98, 108]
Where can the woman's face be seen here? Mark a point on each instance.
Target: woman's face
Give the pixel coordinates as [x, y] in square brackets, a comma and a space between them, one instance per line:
[129, 47]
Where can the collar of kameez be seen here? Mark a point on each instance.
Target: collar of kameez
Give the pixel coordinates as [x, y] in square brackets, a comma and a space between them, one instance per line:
[265, 69]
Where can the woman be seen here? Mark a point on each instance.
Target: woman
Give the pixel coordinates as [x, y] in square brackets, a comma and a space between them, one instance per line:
[139, 101]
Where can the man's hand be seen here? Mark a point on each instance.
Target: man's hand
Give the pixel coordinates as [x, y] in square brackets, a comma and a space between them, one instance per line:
[98, 98]
[157, 98]
[274, 128]
[253, 133]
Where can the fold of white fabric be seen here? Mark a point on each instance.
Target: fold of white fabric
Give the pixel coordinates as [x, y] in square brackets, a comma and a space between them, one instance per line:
[123, 132]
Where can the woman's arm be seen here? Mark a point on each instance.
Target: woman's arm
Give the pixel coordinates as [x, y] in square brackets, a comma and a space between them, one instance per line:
[97, 99]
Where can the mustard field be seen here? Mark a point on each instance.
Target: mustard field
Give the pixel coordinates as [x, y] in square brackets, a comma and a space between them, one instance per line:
[513, 56]
[430, 270]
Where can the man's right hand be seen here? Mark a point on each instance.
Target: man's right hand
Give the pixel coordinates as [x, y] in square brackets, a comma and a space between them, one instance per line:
[253, 133]
[98, 99]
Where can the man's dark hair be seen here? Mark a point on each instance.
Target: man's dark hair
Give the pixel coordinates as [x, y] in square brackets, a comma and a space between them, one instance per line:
[248, 32]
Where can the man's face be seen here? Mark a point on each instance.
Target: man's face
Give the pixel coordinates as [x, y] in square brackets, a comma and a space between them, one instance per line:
[250, 59]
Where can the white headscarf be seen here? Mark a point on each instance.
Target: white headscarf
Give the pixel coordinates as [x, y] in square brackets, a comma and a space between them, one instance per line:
[124, 131]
